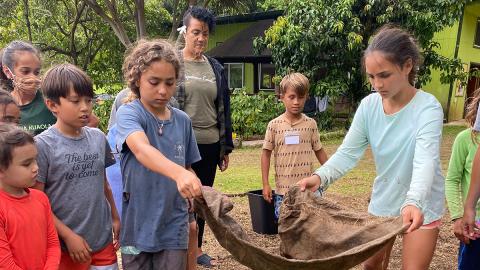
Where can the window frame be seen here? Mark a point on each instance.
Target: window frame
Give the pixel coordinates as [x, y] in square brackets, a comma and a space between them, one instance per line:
[259, 76]
[477, 35]
[227, 67]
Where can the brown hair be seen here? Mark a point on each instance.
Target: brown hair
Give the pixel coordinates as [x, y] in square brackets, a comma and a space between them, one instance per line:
[141, 55]
[471, 115]
[5, 100]
[11, 137]
[8, 59]
[61, 78]
[398, 46]
[297, 81]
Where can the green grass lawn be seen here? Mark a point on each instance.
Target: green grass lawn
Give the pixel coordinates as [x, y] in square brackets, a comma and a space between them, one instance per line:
[244, 172]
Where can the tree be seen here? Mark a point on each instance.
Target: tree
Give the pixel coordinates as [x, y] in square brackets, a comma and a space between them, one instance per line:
[325, 39]
[111, 12]
[71, 31]
[112, 15]
[64, 30]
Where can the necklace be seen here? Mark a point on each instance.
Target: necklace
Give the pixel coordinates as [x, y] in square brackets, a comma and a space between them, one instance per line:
[159, 125]
[160, 129]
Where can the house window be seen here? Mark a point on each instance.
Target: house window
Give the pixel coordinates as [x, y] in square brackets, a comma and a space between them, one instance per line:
[476, 43]
[235, 75]
[265, 76]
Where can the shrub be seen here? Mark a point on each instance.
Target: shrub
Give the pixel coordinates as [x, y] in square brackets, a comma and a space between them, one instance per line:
[251, 113]
[325, 120]
[103, 107]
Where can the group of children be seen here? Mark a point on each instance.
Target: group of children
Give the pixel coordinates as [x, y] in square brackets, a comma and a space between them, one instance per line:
[74, 223]
[67, 162]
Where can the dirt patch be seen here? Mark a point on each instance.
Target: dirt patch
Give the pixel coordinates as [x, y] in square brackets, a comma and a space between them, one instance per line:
[444, 258]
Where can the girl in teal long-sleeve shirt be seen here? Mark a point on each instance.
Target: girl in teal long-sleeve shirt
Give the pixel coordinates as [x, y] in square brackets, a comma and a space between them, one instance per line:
[403, 126]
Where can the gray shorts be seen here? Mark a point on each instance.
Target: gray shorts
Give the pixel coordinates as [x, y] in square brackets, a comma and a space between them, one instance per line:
[170, 259]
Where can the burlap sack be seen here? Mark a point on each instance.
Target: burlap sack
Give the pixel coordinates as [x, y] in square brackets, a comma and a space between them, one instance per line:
[315, 228]
[326, 238]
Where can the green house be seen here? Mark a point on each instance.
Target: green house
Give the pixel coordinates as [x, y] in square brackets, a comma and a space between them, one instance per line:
[462, 40]
[232, 45]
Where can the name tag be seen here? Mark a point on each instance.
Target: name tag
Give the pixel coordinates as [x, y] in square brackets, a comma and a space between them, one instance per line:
[292, 138]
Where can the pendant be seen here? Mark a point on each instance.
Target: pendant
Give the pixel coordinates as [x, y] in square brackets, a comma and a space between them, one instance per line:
[160, 129]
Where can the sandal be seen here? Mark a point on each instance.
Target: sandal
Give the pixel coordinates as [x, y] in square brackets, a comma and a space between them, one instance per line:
[205, 260]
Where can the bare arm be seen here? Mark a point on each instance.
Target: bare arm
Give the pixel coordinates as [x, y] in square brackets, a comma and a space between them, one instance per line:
[265, 164]
[189, 168]
[115, 216]
[188, 184]
[321, 156]
[470, 228]
[190, 201]
[109, 196]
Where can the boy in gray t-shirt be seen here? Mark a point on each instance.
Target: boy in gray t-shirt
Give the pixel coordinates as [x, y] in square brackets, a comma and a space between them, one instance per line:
[72, 159]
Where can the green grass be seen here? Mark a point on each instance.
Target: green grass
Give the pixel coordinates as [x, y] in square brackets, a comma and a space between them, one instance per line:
[244, 173]
[452, 131]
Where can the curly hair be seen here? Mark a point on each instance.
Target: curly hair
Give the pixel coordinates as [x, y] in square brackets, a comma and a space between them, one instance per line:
[11, 137]
[471, 114]
[141, 55]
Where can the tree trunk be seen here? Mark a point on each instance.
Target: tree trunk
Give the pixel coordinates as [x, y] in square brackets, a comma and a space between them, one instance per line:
[175, 21]
[26, 14]
[114, 22]
[140, 18]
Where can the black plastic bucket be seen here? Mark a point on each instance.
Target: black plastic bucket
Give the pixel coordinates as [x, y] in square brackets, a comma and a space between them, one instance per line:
[262, 213]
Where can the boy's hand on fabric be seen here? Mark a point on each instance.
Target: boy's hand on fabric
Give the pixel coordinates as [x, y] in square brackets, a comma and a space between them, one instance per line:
[267, 193]
[312, 183]
[116, 233]
[458, 231]
[78, 248]
[413, 216]
[470, 228]
[188, 185]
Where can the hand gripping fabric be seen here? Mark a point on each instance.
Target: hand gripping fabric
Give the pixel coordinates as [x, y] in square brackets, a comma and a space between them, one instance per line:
[314, 233]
